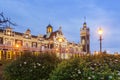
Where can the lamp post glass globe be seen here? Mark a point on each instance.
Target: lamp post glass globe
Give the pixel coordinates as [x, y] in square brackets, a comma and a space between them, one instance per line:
[100, 31]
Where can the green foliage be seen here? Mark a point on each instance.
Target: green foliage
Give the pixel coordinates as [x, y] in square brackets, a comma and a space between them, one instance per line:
[99, 67]
[73, 69]
[45, 67]
[30, 67]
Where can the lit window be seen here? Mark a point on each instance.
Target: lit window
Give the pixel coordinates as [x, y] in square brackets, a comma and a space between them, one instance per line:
[9, 55]
[0, 55]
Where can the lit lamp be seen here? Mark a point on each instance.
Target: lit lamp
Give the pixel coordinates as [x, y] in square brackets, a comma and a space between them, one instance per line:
[15, 52]
[17, 46]
[60, 41]
[100, 32]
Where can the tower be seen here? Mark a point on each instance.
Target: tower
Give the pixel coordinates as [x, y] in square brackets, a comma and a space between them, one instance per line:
[49, 29]
[85, 38]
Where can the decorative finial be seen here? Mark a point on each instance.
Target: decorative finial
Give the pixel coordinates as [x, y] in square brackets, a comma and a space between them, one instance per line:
[84, 18]
[49, 20]
[84, 24]
[60, 28]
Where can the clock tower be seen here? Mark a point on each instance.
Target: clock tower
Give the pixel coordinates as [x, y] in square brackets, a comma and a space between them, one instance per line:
[85, 38]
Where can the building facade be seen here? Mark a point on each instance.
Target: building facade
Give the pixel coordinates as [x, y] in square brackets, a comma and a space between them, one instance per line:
[13, 44]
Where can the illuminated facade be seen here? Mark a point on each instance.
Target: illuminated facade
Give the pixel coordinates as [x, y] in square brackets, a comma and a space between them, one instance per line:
[13, 44]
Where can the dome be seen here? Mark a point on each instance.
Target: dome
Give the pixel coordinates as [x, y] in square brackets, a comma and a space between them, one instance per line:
[49, 26]
[84, 25]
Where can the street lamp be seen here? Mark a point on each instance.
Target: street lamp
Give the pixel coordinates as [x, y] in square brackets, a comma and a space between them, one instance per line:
[100, 32]
[60, 41]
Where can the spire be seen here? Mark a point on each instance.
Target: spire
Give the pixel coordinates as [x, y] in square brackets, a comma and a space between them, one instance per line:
[84, 24]
[84, 18]
[60, 28]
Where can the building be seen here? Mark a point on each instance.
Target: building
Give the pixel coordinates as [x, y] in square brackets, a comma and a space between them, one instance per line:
[13, 44]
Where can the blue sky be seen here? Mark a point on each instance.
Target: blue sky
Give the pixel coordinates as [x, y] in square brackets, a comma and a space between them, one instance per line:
[37, 14]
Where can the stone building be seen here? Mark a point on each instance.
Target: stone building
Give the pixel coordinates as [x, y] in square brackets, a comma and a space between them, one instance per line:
[13, 44]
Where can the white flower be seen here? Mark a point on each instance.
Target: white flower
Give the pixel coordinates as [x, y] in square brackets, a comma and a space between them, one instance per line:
[89, 77]
[91, 68]
[118, 73]
[93, 76]
[79, 72]
[110, 77]
[38, 64]
[116, 60]
[34, 66]
[25, 62]
[95, 64]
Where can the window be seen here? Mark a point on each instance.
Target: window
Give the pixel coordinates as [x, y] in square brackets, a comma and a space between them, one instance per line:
[1, 40]
[0, 55]
[26, 44]
[9, 43]
[9, 54]
[18, 42]
[34, 44]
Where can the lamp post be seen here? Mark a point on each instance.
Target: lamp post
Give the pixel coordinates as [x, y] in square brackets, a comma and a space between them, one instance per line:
[100, 32]
[60, 41]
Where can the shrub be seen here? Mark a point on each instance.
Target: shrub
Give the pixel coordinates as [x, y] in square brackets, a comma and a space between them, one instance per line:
[88, 68]
[30, 67]
[73, 69]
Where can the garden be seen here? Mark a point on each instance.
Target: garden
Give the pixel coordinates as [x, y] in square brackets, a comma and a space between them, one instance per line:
[47, 66]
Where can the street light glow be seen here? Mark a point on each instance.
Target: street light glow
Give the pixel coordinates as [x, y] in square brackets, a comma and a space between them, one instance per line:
[100, 31]
[17, 45]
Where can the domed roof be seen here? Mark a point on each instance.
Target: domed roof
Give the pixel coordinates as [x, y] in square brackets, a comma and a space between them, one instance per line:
[49, 26]
[84, 25]
[29, 30]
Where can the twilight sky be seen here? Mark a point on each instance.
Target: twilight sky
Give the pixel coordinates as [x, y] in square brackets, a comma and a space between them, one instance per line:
[37, 14]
